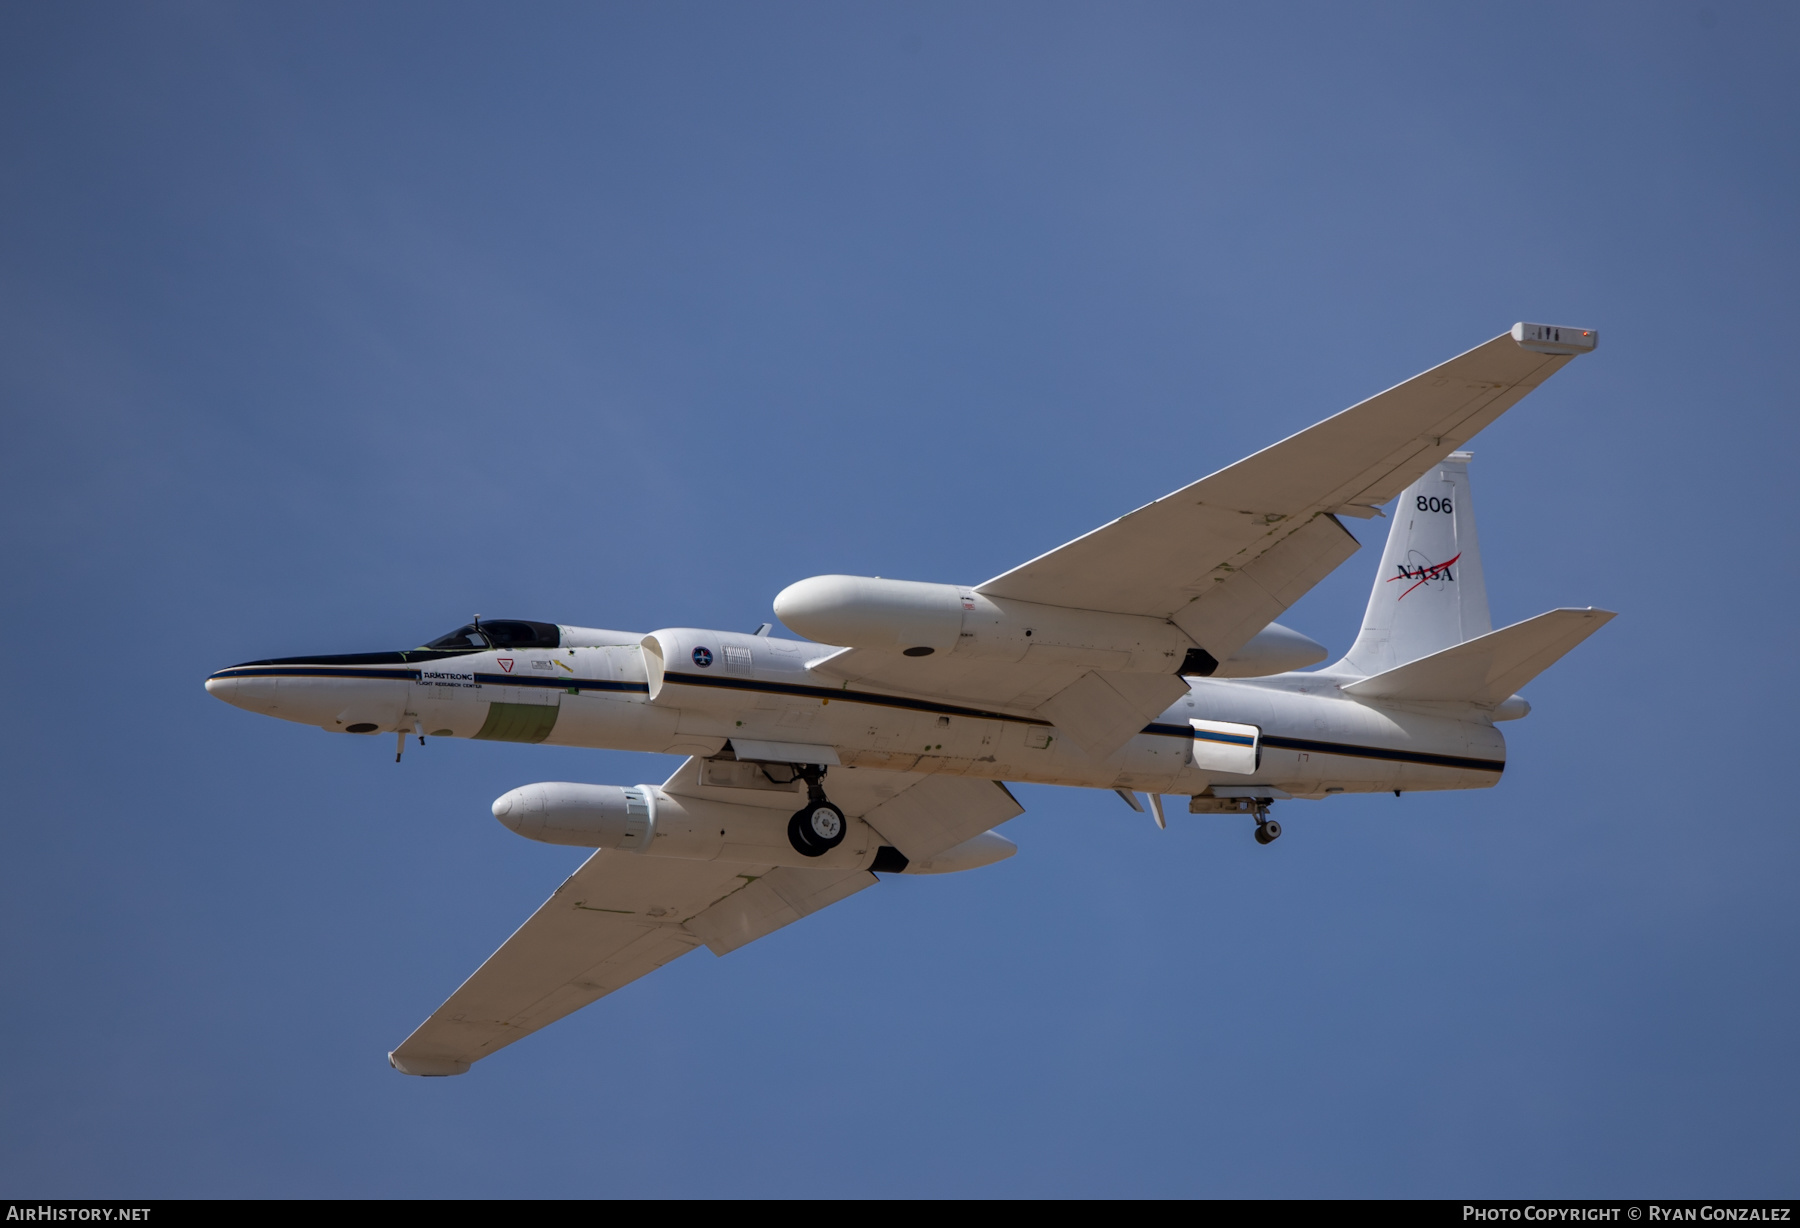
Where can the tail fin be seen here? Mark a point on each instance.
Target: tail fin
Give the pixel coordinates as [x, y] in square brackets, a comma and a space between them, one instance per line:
[1429, 594]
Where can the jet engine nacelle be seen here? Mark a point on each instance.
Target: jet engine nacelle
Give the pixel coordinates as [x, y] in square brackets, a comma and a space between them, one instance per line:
[922, 620]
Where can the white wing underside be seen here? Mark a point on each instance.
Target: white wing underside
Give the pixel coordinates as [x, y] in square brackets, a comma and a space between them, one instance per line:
[622, 915]
[1221, 558]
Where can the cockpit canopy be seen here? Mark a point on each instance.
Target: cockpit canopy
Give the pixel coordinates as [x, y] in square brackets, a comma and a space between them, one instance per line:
[479, 636]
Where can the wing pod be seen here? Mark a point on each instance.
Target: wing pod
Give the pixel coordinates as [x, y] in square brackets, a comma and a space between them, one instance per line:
[647, 819]
[869, 612]
[586, 816]
[922, 620]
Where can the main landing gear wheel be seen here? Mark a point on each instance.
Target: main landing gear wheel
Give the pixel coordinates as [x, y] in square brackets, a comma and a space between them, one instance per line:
[816, 829]
[1268, 831]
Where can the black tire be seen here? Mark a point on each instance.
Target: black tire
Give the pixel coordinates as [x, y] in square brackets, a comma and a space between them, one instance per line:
[816, 829]
[1268, 831]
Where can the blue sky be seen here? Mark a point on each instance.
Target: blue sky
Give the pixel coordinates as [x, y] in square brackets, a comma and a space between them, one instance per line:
[324, 327]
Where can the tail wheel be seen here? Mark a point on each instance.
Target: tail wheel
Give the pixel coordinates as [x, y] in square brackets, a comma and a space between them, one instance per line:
[816, 829]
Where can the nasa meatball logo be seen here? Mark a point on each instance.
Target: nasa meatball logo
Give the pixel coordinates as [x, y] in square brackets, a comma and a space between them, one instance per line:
[703, 657]
[1432, 575]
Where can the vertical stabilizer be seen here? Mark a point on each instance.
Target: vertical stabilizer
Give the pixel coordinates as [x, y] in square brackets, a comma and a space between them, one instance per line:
[1429, 594]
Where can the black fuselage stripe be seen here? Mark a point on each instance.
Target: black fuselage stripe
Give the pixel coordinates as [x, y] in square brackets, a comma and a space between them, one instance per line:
[1382, 752]
[827, 694]
[292, 671]
[412, 675]
[1346, 749]
[724, 682]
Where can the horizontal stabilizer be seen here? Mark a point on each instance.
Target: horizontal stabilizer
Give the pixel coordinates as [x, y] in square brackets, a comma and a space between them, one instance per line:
[1487, 669]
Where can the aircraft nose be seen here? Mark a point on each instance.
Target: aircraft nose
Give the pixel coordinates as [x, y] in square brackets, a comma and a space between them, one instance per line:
[251, 694]
[512, 806]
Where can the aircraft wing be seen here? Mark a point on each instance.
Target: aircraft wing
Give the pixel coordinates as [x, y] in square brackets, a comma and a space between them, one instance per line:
[616, 918]
[622, 914]
[1223, 557]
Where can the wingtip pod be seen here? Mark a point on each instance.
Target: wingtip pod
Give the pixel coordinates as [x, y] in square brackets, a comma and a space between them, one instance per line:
[1555, 338]
[427, 1067]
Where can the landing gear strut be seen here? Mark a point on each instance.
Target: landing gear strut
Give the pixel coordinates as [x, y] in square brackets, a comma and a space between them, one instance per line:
[817, 827]
[1267, 830]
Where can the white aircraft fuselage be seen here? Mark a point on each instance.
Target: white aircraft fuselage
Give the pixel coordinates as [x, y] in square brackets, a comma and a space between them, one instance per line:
[593, 690]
